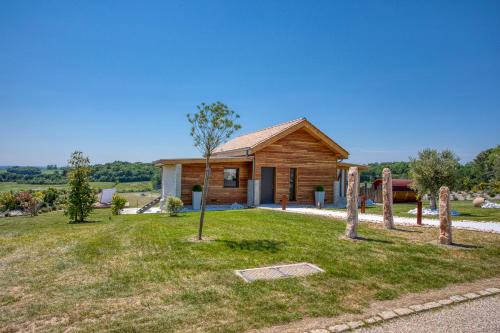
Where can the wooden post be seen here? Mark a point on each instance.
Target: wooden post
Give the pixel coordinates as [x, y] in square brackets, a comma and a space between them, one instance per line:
[363, 204]
[283, 202]
[419, 211]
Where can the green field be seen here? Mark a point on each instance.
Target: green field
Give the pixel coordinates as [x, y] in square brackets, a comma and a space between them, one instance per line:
[137, 273]
[465, 208]
[121, 187]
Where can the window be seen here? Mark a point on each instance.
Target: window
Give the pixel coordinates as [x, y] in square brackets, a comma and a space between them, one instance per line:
[293, 185]
[231, 177]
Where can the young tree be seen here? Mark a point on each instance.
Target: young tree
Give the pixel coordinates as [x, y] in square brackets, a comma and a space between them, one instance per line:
[81, 196]
[211, 126]
[431, 170]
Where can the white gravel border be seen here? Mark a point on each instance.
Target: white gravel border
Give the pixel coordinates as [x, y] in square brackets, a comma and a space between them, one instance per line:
[491, 226]
[401, 312]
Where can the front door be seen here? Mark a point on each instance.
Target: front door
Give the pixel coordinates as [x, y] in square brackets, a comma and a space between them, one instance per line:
[267, 185]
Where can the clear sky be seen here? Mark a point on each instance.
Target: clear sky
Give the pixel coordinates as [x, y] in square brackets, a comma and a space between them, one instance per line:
[116, 79]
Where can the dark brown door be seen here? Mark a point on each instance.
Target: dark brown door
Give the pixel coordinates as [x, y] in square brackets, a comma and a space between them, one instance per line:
[267, 185]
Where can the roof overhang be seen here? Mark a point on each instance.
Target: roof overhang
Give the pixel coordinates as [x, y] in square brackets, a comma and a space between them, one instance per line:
[201, 160]
[345, 165]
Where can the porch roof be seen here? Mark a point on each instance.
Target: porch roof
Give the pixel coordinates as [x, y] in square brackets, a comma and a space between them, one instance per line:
[199, 160]
[346, 165]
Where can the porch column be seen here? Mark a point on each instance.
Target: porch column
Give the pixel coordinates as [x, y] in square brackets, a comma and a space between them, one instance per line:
[170, 182]
[253, 192]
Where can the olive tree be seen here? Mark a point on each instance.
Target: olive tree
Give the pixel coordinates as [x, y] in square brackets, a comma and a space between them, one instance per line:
[211, 126]
[81, 196]
[433, 169]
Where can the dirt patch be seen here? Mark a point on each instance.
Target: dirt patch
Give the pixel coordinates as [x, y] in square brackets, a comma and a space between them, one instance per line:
[376, 307]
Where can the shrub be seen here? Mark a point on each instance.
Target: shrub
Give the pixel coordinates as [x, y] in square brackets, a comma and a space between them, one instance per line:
[7, 201]
[117, 204]
[174, 205]
[319, 188]
[197, 188]
[28, 203]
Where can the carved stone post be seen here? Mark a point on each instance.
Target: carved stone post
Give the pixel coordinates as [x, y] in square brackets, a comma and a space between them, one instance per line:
[387, 198]
[352, 203]
[444, 216]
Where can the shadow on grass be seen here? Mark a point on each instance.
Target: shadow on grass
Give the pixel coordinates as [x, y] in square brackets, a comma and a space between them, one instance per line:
[406, 230]
[456, 246]
[365, 239]
[254, 245]
[83, 222]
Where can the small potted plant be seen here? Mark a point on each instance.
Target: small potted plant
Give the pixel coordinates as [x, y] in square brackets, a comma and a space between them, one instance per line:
[197, 190]
[319, 196]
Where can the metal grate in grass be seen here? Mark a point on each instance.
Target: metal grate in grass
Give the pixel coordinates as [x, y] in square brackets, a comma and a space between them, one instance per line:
[278, 272]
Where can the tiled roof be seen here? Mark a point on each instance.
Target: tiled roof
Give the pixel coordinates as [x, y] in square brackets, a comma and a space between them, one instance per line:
[254, 138]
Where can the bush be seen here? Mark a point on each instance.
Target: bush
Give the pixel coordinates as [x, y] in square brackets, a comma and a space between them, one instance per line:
[319, 188]
[7, 201]
[174, 205]
[197, 188]
[28, 203]
[117, 204]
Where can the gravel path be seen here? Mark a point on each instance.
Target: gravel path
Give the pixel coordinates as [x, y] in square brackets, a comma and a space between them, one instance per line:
[482, 315]
[469, 225]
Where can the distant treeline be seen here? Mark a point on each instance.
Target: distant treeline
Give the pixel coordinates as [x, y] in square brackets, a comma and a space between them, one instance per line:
[118, 172]
[481, 174]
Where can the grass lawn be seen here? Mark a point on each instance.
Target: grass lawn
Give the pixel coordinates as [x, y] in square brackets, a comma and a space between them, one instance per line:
[137, 273]
[120, 187]
[466, 209]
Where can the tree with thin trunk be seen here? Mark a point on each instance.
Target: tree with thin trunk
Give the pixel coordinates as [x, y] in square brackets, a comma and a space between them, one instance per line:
[433, 169]
[211, 126]
[81, 196]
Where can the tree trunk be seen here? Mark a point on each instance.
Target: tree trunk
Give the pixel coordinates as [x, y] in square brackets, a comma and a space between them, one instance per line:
[204, 197]
[433, 201]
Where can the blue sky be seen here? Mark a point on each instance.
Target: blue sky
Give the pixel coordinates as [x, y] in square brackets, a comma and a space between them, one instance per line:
[115, 79]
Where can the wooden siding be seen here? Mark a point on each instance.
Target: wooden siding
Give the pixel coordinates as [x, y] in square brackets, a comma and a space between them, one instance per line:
[316, 165]
[192, 174]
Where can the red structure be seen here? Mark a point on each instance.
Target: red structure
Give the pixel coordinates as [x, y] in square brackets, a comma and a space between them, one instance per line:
[401, 191]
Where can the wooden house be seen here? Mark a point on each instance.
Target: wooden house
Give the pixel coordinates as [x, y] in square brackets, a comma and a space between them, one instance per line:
[289, 159]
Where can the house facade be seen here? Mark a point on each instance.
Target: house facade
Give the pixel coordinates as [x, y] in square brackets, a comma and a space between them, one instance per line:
[288, 159]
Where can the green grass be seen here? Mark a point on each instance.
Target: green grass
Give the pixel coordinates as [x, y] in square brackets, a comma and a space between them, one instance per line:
[121, 187]
[466, 209]
[137, 273]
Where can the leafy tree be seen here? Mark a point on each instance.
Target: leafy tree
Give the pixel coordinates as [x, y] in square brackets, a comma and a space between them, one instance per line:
[211, 126]
[81, 196]
[399, 170]
[433, 169]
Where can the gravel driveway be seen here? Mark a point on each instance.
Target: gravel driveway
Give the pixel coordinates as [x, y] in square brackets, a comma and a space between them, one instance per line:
[482, 315]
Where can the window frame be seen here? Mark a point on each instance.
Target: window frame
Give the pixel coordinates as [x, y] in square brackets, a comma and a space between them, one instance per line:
[237, 185]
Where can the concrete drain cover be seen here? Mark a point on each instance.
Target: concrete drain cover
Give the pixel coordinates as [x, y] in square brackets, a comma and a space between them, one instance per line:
[278, 272]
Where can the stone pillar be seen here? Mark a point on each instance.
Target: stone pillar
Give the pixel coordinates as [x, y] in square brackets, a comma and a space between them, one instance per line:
[352, 203]
[444, 216]
[387, 198]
